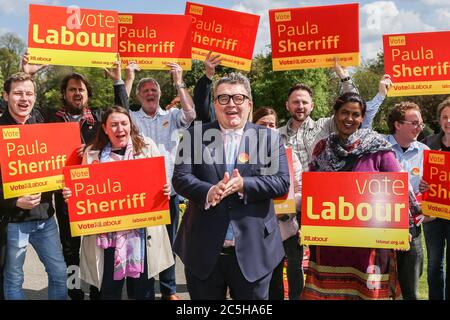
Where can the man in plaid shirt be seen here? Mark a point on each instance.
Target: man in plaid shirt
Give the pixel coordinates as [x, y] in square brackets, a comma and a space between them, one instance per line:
[302, 132]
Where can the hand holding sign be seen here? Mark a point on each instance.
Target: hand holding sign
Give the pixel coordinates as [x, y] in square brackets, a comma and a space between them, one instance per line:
[114, 73]
[28, 202]
[211, 62]
[385, 84]
[176, 71]
[341, 72]
[166, 190]
[28, 68]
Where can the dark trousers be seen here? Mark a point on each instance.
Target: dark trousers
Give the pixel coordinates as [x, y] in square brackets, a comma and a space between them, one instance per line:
[410, 267]
[227, 274]
[143, 288]
[167, 282]
[70, 246]
[3, 229]
[294, 258]
[437, 239]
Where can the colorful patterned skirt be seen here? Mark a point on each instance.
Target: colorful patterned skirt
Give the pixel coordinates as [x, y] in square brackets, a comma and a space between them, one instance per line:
[340, 273]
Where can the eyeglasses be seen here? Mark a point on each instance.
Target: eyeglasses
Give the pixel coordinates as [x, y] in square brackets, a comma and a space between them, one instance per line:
[415, 124]
[238, 98]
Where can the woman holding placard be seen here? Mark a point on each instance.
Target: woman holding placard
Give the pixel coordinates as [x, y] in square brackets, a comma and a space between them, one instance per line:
[107, 259]
[342, 272]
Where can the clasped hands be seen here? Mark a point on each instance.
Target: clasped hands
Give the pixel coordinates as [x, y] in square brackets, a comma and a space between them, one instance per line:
[228, 185]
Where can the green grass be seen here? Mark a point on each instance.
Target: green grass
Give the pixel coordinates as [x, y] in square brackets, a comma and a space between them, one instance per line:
[423, 285]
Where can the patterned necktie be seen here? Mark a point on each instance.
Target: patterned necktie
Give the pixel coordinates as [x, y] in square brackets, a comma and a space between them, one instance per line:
[231, 151]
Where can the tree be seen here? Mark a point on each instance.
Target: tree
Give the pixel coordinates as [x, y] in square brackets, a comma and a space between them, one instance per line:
[270, 87]
[11, 50]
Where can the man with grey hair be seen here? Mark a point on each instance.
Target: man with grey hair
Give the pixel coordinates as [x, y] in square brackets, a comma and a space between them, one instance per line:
[163, 127]
[229, 236]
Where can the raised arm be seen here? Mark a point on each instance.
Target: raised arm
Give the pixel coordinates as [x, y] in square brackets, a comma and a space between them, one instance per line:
[374, 105]
[203, 88]
[344, 76]
[130, 74]
[115, 74]
[187, 104]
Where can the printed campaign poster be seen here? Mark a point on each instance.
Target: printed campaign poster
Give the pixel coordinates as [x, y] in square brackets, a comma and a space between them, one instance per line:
[32, 156]
[72, 36]
[152, 40]
[286, 203]
[106, 196]
[419, 63]
[355, 209]
[232, 34]
[436, 171]
[312, 37]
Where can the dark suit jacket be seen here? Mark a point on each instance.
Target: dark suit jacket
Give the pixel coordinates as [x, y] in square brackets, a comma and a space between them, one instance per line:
[202, 232]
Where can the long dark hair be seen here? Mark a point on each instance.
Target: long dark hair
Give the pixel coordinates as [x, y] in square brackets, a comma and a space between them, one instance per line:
[101, 139]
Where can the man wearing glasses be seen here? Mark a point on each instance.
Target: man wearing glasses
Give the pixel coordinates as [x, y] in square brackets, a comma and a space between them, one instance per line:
[405, 124]
[229, 236]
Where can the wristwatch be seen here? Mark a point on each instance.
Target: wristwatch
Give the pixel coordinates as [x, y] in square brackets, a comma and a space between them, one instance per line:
[179, 86]
[345, 79]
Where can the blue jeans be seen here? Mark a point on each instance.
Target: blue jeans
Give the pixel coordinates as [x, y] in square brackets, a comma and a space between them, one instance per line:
[410, 267]
[167, 283]
[43, 236]
[437, 236]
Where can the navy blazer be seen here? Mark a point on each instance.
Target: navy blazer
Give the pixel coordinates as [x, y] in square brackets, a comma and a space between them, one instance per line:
[202, 232]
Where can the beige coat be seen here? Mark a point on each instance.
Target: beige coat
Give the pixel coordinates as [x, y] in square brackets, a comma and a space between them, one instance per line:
[159, 251]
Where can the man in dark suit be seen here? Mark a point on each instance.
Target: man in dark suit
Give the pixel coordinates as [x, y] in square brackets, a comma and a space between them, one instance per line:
[230, 170]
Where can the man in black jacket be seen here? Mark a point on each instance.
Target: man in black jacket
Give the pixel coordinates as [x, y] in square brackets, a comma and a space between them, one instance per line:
[30, 217]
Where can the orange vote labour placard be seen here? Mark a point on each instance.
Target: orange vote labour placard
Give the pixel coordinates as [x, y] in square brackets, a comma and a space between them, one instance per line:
[355, 209]
[152, 40]
[230, 33]
[32, 156]
[72, 36]
[118, 195]
[419, 63]
[436, 171]
[313, 37]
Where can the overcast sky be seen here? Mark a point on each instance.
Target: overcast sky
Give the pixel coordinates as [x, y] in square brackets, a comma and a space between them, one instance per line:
[376, 17]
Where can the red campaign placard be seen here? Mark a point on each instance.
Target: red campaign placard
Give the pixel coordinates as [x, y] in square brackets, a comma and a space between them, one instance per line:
[311, 37]
[418, 63]
[118, 195]
[72, 36]
[436, 171]
[355, 209]
[152, 40]
[32, 156]
[286, 203]
[230, 33]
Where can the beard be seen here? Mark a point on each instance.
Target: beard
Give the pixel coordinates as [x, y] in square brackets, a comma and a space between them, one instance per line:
[75, 109]
[299, 117]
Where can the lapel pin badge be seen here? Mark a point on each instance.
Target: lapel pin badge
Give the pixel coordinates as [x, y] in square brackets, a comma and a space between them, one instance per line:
[243, 157]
